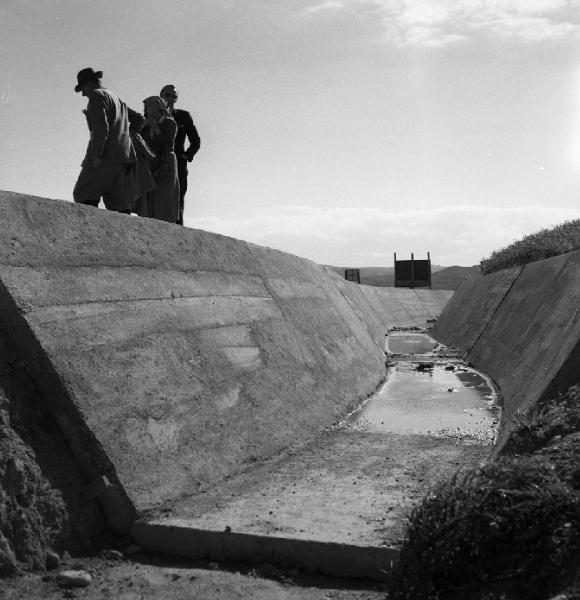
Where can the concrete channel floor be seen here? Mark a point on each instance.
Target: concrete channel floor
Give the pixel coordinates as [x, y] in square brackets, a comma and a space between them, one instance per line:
[339, 503]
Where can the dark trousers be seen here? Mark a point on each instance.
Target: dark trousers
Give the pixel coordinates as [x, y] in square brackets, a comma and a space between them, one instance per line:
[107, 181]
[182, 176]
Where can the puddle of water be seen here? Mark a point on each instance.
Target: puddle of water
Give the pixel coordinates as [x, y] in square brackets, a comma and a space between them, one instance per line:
[410, 343]
[439, 402]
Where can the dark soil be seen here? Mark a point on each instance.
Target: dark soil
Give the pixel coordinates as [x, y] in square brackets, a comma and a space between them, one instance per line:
[42, 506]
[160, 578]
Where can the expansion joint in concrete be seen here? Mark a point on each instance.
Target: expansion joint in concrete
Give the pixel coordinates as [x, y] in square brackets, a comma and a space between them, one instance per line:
[490, 320]
[175, 299]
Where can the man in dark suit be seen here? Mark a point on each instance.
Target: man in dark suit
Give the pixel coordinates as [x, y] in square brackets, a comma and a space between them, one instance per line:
[185, 128]
[110, 152]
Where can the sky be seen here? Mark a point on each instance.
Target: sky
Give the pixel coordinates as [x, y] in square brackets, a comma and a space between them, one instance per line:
[338, 130]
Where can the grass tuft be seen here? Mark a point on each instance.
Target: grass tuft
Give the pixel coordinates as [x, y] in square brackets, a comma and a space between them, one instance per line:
[510, 529]
[555, 416]
[537, 246]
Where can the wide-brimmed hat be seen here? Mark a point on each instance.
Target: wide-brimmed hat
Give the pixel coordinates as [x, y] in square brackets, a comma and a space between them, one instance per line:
[86, 75]
[168, 88]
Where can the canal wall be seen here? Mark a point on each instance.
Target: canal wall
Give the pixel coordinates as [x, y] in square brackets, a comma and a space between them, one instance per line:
[522, 327]
[388, 307]
[172, 358]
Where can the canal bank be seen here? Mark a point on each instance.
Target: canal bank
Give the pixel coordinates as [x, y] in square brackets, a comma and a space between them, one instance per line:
[165, 360]
[339, 503]
[520, 325]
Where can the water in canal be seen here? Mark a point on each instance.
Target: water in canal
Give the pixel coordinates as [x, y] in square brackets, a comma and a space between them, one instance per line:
[430, 397]
[410, 343]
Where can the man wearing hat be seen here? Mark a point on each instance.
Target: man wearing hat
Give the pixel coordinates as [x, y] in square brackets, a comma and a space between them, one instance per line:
[110, 152]
[185, 128]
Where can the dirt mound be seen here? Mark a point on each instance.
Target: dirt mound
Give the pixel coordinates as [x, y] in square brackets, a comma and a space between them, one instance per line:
[41, 489]
[31, 512]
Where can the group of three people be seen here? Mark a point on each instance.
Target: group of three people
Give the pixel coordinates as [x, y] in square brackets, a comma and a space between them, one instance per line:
[136, 164]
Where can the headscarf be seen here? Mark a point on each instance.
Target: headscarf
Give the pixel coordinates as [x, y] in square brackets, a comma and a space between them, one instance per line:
[159, 102]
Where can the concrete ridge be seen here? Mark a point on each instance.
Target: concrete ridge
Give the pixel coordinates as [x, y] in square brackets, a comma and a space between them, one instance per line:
[331, 558]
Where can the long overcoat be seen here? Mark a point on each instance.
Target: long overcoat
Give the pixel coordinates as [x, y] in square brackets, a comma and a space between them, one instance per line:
[163, 202]
[108, 119]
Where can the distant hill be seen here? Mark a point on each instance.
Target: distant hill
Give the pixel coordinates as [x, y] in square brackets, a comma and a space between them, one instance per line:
[377, 276]
[442, 278]
[449, 278]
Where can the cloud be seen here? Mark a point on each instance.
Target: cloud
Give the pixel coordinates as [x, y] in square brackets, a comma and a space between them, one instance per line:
[444, 22]
[368, 237]
[329, 5]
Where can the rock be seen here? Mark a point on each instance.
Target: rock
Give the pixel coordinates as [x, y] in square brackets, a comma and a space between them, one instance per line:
[425, 367]
[8, 564]
[52, 560]
[111, 554]
[73, 579]
[133, 549]
[227, 529]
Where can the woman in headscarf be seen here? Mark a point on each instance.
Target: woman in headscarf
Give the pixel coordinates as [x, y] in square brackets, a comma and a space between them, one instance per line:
[159, 134]
[139, 181]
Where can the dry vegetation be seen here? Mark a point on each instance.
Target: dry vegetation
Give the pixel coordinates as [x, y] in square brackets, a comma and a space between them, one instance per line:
[509, 530]
[537, 246]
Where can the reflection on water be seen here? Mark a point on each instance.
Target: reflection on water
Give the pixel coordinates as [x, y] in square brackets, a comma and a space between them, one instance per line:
[410, 343]
[437, 401]
[471, 379]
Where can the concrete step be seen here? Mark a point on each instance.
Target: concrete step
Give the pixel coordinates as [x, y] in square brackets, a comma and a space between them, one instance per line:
[337, 505]
[182, 538]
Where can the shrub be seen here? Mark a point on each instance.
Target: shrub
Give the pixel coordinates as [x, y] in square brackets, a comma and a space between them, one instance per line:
[555, 416]
[537, 246]
[513, 522]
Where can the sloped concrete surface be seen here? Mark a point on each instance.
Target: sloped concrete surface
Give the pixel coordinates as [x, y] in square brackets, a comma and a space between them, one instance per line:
[338, 506]
[522, 327]
[406, 307]
[393, 307]
[339, 503]
[172, 358]
[472, 307]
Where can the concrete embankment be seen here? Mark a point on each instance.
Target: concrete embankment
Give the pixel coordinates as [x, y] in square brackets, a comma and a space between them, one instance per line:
[340, 503]
[522, 327]
[172, 358]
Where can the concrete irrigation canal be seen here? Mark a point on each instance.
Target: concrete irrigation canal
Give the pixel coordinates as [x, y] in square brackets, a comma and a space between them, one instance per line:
[338, 504]
[212, 398]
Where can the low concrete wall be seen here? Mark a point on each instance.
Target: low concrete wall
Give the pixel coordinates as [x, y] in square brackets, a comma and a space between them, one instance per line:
[331, 558]
[172, 358]
[385, 307]
[522, 327]
[405, 307]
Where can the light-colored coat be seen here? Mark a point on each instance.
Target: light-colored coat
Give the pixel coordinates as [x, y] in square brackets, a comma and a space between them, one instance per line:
[110, 123]
[109, 119]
